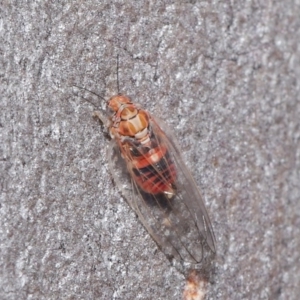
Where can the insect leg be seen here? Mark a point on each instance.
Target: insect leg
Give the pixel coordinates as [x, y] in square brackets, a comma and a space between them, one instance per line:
[102, 118]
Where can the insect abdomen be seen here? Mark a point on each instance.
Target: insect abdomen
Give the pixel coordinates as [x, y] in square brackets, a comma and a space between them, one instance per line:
[155, 173]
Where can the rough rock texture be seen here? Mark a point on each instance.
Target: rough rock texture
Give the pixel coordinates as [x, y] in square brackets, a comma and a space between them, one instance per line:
[224, 74]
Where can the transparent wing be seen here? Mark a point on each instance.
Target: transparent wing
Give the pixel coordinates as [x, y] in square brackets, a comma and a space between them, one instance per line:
[188, 191]
[179, 225]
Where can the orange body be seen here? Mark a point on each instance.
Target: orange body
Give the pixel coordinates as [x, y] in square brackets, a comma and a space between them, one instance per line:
[147, 157]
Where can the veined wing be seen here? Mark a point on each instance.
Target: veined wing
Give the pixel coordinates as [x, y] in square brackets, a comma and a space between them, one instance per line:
[188, 191]
[179, 224]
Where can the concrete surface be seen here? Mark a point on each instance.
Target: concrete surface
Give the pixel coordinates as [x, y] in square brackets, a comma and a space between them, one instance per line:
[224, 74]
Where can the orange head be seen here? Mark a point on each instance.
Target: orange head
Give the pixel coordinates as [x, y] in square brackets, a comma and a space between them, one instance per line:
[115, 102]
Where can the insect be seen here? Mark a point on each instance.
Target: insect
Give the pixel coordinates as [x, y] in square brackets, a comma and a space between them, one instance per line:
[146, 165]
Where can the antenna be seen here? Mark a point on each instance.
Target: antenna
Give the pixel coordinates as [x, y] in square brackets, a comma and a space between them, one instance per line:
[85, 89]
[118, 87]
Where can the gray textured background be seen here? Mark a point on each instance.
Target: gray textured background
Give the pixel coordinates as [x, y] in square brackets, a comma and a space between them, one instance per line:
[224, 74]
